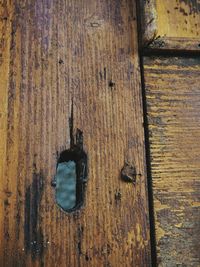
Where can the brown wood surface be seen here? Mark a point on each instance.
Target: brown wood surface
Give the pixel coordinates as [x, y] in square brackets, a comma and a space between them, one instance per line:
[171, 24]
[53, 52]
[173, 106]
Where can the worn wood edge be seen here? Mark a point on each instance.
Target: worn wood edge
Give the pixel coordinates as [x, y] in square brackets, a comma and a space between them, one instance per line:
[148, 17]
[149, 32]
[172, 43]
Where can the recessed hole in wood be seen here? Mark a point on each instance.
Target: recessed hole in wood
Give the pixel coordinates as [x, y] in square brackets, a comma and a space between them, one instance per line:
[71, 176]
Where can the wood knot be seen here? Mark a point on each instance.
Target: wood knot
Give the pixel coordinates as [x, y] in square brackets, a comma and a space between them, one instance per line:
[128, 173]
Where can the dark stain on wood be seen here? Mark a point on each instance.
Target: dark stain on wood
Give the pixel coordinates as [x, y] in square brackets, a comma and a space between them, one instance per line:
[33, 236]
[79, 237]
[80, 253]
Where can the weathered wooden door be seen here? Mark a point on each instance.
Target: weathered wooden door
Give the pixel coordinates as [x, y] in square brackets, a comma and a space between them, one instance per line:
[72, 61]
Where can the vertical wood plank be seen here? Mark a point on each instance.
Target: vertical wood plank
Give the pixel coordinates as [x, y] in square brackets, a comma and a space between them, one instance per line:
[5, 39]
[87, 51]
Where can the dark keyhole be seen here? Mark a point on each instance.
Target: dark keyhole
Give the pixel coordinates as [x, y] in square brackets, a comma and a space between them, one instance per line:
[70, 179]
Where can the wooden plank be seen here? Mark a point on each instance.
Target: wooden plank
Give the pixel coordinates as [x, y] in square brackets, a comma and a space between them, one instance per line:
[173, 107]
[5, 37]
[55, 52]
[171, 24]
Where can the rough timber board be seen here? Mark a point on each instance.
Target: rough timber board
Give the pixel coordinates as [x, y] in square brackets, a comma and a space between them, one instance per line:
[53, 52]
[173, 105]
[171, 24]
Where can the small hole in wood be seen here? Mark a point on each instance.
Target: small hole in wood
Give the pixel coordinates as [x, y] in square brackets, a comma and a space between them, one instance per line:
[111, 84]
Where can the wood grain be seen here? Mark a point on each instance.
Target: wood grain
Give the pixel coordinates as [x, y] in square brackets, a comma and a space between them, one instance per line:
[173, 105]
[53, 52]
[171, 24]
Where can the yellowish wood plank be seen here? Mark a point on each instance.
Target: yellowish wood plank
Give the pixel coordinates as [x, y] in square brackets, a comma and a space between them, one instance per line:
[173, 97]
[179, 19]
[171, 24]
